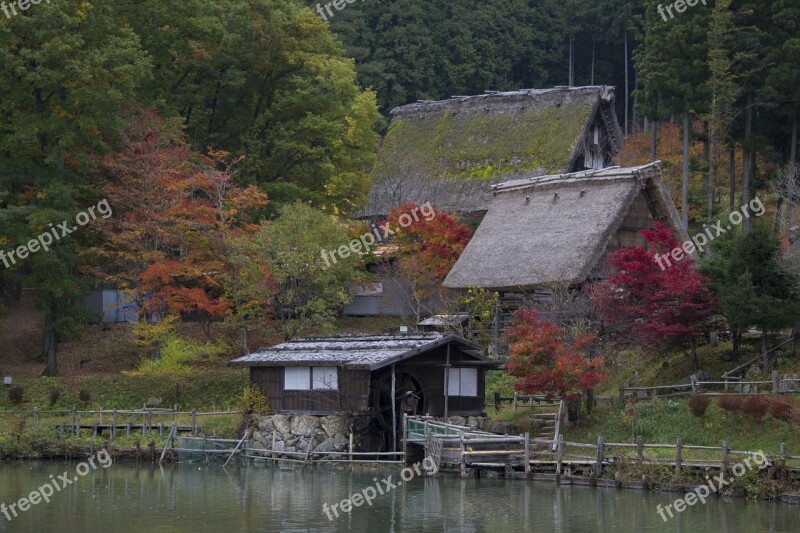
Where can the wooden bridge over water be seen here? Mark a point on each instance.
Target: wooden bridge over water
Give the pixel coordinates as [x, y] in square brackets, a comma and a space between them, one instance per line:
[460, 448]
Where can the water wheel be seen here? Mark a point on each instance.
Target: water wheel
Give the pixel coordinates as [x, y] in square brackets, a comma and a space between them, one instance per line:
[381, 397]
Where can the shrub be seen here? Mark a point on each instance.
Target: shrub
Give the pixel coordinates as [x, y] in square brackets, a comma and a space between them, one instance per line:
[55, 394]
[781, 408]
[698, 404]
[255, 401]
[177, 355]
[16, 395]
[729, 403]
[755, 407]
[85, 396]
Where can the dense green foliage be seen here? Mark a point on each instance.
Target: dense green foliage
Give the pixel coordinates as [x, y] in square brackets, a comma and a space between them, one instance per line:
[753, 286]
[409, 50]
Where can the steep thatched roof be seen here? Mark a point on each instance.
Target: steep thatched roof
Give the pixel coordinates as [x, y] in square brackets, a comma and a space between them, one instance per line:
[556, 229]
[448, 152]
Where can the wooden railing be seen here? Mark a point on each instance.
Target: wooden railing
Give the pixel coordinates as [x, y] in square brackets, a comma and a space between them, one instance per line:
[729, 374]
[115, 420]
[702, 387]
[715, 457]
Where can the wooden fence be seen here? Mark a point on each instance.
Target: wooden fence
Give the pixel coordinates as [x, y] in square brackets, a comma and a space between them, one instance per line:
[776, 385]
[519, 400]
[685, 456]
[113, 422]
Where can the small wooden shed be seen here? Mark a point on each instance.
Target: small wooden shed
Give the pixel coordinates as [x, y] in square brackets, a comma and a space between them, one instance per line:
[386, 375]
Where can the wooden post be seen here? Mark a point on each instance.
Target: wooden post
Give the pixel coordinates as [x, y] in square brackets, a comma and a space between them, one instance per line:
[559, 454]
[640, 448]
[527, 453]
[678, 455]
[351, 446]
[74, 421]
[496, 402]
[694, 384]
[405, 444]
[447, 386]
[775, 385]
[725, 458]
[515, 402]
[113, 424]
[194, 424]
[598, 466]
[622, 395]
[463, 457]
[394, 412]
[244, 438]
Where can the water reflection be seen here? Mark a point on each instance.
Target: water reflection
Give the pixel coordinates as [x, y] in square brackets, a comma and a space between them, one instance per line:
[208, 498]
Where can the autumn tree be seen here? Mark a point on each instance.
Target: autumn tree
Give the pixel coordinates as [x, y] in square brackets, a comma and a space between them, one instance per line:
[652, 297]
[177, 213]
[544, 362]
[430, 243]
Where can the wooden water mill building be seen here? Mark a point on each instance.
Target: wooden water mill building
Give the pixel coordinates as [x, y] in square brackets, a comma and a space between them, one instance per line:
[383, 375]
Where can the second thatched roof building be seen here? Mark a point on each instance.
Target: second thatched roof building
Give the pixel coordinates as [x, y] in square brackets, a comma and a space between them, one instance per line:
[546, 230]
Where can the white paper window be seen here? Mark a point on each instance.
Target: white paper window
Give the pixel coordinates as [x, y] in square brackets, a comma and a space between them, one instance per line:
[325, 377]
[462, 382]
[297, 378]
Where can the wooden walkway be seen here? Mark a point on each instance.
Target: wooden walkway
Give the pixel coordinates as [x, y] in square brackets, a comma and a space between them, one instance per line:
[463, 450]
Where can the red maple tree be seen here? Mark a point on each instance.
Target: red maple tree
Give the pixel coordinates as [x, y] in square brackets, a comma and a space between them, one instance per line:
[544, 363]
[649, 304]
[429, 245]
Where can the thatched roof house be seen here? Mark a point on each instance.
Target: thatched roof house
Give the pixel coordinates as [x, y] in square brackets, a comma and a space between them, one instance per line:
[448, 152]
[559, 229]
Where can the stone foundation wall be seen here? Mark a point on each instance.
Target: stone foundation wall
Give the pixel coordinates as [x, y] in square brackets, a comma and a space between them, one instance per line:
[294, 433]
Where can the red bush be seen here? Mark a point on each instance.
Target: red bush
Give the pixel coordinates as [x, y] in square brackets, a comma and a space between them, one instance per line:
[781, 408]
[698, 404]
[755, 407]
[729, 403]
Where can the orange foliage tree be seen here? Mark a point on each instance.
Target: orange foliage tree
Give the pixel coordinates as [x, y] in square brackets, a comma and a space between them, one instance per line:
[176, 212]
[430, 243]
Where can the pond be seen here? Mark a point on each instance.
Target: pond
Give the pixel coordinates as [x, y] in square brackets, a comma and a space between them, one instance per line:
[192, 498]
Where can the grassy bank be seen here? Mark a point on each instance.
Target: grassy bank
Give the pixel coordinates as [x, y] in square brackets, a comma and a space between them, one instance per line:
[202, 389]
